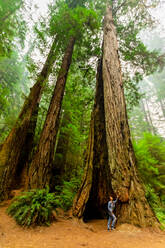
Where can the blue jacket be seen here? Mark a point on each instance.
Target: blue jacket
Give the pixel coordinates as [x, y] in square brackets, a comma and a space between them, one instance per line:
[111, 205]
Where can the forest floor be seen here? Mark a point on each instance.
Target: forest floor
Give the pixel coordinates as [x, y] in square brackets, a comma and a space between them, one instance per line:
[70, 233]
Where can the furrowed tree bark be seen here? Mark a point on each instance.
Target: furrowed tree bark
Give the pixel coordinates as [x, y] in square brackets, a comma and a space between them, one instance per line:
[134, 207]
[41, 166]
[96, 184]
[19, 141]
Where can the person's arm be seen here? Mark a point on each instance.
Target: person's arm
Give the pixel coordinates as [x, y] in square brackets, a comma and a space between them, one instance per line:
[116, 200]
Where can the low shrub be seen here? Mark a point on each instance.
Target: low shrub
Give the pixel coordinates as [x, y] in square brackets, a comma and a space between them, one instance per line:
[34, 207]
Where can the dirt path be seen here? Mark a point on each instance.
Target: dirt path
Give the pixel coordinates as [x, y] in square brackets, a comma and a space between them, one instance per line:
[68, 233]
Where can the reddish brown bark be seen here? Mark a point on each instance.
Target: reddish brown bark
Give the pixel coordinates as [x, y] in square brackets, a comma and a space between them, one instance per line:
[41, 166]
[20, 138]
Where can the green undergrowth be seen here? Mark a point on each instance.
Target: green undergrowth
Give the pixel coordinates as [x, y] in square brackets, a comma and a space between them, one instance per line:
[156, 204]
[65, 194]
[150, 155]
[33, 208]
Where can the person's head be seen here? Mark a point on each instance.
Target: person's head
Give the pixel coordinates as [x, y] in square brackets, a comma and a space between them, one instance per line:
[111, 198]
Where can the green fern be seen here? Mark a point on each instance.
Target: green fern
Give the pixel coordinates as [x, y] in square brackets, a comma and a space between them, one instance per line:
[33, 208]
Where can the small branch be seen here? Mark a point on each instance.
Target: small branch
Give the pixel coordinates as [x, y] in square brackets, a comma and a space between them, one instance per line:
[119, 7]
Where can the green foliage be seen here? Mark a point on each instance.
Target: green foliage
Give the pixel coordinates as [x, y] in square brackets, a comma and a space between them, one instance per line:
[73, 3]
[152, 197]
[134, 51]
[156, 204]
[33, 208]
[160, 213]
[146, 162]
[65, 194]
[78, 22]
[12, 25]
[13, 87]
[150, 154]
[12, 77]
[131, 17]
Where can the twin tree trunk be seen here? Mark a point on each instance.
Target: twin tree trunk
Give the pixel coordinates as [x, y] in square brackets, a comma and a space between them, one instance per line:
[110, 160]
[18, 144]
[41, 166]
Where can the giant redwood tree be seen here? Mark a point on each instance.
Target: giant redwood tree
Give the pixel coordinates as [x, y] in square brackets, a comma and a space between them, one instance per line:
[110, 160]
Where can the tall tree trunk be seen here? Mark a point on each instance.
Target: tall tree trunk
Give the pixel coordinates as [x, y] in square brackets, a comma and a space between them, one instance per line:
[20, 138]
[96, 184]
[119, 164]
[41, 166]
